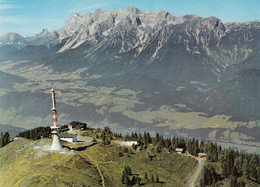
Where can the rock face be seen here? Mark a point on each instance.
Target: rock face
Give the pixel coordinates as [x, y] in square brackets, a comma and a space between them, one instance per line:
[238, 91]
[45, 37]
[13, 39]
[188, 46]
[214, 61]
[18, 41]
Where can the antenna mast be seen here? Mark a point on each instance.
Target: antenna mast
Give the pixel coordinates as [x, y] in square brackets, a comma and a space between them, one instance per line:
[56, 144]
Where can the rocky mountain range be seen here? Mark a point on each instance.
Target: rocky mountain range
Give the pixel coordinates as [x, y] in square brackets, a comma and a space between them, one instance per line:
[202, 63]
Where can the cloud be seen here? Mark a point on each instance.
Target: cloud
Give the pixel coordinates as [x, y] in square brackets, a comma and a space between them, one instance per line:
[23, 19]
[8, 6]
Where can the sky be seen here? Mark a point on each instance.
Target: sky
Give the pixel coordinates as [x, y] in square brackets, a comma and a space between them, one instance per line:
[29, 17]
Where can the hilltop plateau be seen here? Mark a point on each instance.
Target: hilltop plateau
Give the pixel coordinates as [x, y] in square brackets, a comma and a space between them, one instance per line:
[26, 162]
[103, 158]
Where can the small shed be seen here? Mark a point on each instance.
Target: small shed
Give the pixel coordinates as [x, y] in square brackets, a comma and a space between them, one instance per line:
[76, 125]
[68, 137]
[202, 155]
[179, 150]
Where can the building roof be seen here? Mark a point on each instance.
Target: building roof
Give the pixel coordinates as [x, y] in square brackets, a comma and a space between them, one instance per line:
[78, 125]
[67, 135]
[202, 154]
[179, 149]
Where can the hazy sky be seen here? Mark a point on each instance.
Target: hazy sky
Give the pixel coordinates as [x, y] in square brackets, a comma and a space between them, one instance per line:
[28, 17]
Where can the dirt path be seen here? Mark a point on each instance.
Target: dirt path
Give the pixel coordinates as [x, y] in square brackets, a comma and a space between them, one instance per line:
[102, 177]
[87, 157]
[192, 180]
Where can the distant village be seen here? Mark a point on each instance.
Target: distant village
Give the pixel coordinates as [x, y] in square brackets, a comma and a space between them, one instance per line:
[161, 120]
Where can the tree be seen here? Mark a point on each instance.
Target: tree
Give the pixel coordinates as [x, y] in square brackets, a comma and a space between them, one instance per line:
[145, 175]
[147, 138]
[258, 175]
[233, 181]
[168, 143]
[238, 164]
[4, 139]
[134, 146]
[36, 133]
[120, 154]
[152, 178]
[202, 181]
[161, 143]
[208, 175]
[127, 180]
[245, 168]
[138, 181]
[128, 170]
[158, 149]
[107, 130]
[123, 177]
[127, 137]
[240, 183]
[133, 181]
[157, 138]
[107, 142]
[157, 179]
[254, 162]
[106, 136]
[202, 146]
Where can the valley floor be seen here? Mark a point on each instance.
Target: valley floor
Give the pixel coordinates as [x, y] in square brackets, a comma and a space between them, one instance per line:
[123, 109]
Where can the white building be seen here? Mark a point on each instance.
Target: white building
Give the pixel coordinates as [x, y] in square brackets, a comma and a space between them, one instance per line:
[129, 143]
[68, 137]
[179, 150]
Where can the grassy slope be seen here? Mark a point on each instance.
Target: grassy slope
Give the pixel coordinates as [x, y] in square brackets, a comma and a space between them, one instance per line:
[33, 167]
[24, 163]
[171, 168]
